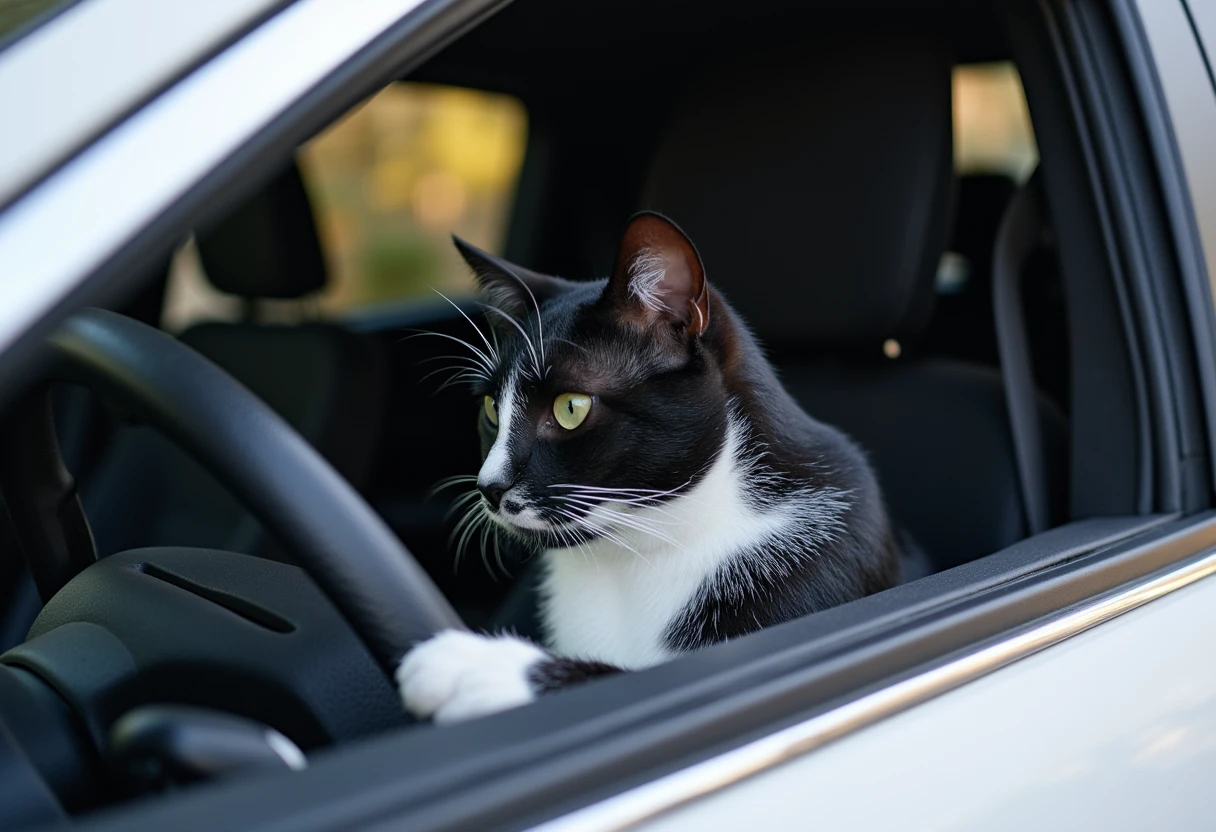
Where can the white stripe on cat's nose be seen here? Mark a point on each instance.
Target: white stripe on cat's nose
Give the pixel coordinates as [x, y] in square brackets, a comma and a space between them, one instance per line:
[496, 470]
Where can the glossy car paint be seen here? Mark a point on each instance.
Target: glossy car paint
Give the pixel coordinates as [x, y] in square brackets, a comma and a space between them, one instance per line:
[1114, 729]
[117, 53]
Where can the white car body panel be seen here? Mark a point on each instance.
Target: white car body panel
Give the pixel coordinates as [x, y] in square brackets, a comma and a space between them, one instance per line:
[58, 234]
[70, 79]
[1114, 729]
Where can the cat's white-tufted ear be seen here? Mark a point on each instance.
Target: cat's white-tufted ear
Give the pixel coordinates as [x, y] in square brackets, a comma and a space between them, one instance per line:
[659, 277]
[505, 286]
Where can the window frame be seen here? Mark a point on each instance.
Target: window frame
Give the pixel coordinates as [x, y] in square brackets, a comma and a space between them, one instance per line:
[1169, 83]
[201, 179]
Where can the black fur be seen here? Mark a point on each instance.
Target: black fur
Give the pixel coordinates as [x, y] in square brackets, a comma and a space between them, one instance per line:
[558, 672]
[696, 360]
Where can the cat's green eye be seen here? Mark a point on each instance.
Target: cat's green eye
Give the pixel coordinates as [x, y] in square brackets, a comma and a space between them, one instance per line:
[571, 409]
[491, 411]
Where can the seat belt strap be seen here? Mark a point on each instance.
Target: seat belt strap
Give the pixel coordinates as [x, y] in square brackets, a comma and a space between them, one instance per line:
[1016, 238]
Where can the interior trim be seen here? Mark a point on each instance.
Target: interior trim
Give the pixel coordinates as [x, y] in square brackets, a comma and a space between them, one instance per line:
[1110, 435]
[1169, 68]
[1149, 276]
[656, 797]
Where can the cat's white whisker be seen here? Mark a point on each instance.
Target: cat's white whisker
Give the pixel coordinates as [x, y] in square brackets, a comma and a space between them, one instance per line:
[540, 327]
[457, 538]
[467, 525]
[449, 482]
[483, 359]
[635, 522]
[458, 374]
[461, 503]
[490, 349]
[432, 359]
[468, 365]
[637, 493]
[605, 488]
[592, 526]
[527, 338]
[476, 519]
[485, 555]
[461, 377]
[498, 552]
[640, 504]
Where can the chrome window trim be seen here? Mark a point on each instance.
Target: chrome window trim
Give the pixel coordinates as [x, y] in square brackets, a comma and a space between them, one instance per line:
[60, 232]
[658, 796]
[67, 81]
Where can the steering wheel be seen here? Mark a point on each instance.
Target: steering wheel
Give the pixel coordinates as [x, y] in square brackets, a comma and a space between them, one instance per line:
[380, 591]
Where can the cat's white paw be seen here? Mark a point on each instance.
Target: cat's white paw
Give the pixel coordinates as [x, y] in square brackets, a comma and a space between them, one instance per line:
[456, 675]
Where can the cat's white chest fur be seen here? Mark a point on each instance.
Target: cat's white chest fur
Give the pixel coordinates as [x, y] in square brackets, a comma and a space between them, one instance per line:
[605, 602]
[610, 609]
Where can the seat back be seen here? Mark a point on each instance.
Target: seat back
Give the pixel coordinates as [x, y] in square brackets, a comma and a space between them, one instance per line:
[817, 183]
[326, 382]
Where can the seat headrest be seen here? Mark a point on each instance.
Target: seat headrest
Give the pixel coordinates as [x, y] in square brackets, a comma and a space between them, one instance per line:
[267, 247]
[817, 184]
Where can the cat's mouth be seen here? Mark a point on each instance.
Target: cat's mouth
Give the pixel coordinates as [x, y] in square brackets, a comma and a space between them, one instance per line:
[519, 515]
[545, 525]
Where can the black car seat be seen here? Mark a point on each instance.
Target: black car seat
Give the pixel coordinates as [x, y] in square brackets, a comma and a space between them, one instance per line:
[326, 382]
[817, 183]
[962, 314]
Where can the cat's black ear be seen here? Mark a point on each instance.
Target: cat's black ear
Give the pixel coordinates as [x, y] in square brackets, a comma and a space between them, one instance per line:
[658, 277]
[506, 286]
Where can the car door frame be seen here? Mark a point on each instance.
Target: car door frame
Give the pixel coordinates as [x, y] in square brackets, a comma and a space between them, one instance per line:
[134, 193]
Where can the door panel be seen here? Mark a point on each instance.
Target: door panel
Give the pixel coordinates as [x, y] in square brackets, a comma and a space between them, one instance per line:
[1112, 729]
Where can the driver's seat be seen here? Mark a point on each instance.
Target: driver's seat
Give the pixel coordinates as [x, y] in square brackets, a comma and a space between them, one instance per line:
[325, 381]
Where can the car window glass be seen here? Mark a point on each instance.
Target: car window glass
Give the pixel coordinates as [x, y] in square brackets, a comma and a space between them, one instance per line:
[992, 132]
[993, 138]
[389, 184]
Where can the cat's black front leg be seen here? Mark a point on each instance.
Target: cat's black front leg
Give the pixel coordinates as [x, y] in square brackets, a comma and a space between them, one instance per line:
[559, 672]
[457, 675]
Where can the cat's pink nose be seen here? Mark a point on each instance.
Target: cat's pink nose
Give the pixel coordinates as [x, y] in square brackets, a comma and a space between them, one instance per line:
[493, 492]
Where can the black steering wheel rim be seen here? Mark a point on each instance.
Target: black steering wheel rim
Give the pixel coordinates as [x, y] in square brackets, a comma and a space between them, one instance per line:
[345, 547]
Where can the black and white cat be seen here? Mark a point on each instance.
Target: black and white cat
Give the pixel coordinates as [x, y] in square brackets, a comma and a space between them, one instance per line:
[636, 436]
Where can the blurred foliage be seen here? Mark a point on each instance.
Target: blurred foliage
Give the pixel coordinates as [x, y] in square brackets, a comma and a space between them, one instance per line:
[15, 14]
[395, 178]
[992, 131]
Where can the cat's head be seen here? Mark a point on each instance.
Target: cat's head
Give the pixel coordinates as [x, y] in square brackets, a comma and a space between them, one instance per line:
[599, 398]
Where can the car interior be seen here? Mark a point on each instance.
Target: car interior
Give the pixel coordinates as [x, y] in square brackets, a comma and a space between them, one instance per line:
[810, 152]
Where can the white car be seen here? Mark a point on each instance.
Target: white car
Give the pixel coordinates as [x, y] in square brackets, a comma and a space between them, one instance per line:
[202, 618]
